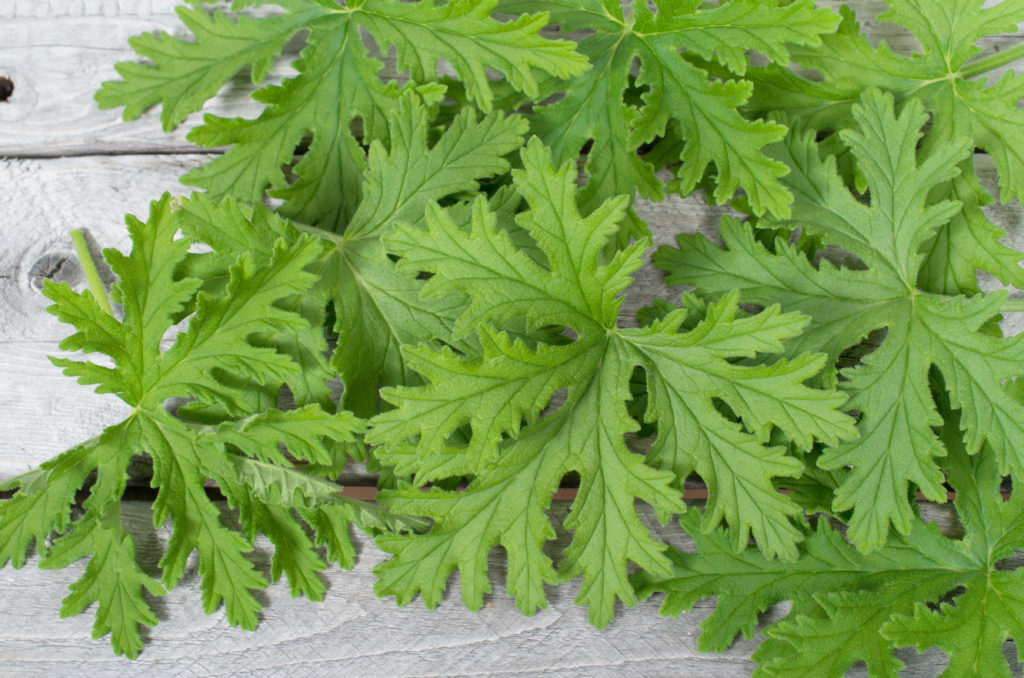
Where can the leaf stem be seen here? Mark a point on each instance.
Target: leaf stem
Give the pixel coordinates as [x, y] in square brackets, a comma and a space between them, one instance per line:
[1012, 306]
[992, 62]
[89, 268]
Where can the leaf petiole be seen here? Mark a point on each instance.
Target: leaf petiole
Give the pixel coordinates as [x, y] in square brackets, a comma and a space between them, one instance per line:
[992, 62]
[1013, 306]
[92, 275]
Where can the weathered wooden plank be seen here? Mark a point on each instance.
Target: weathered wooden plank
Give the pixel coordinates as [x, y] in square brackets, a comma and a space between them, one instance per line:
[42, 199]
[58, 52]
[354, 634]
[45, 412]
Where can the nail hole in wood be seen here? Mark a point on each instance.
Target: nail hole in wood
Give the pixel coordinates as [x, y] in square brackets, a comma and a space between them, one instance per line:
[55, 266]
[6, 88]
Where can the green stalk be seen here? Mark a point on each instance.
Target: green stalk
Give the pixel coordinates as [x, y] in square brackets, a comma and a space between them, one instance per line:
[91, 274]
[1012, 306]
[992, 62]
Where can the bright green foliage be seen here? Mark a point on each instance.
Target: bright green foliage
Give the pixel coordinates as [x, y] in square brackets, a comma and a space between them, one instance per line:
[829, 574]
[338, 82]
[490, 327]
[233, 231]
[518, 469]
[950, 83]
[971, 629]
[378, 307]
[890, 389]
[226, 351]
[674, 93]
[850, 607]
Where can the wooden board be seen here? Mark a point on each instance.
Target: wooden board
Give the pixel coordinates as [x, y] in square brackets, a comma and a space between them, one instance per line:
[43, 199]
[354, 634]
[58, 52]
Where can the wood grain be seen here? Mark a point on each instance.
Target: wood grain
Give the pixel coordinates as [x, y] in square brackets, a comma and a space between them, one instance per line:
[59, 52]
[42, 200]
[95, 192]
[352, 633]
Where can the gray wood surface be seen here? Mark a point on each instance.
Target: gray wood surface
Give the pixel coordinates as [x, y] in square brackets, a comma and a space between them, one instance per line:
[58, 52]
[354, 634]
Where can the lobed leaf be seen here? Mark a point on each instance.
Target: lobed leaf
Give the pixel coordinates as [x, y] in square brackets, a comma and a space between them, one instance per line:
[338, 83]
[897, 447]
[516, 467]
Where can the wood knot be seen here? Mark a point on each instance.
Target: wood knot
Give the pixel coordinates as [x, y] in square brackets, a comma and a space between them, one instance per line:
[56, 266]
[6, 88]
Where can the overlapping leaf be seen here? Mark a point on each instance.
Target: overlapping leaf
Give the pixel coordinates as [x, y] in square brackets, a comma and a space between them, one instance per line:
[949, 81]
[227, 347]
[850, 607]
[518, 469]
[674, 93]
[338, 82]
[378, 307]
[910, 568]
[890, 389]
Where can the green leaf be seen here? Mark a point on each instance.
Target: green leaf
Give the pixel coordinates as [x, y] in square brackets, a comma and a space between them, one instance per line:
[233, 230]
[674, 93]
[224, 355]
[112, 579]
[922, 589]
[517, 468]
[973, 630]
[747, 584]
[897, 446]
[338, 83]
[948, 80]
[378, 306]
[974, 627]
